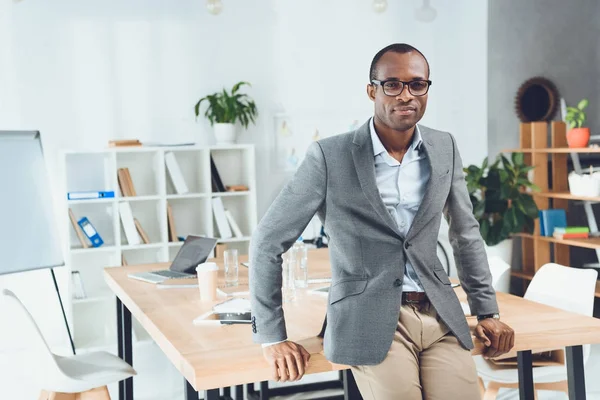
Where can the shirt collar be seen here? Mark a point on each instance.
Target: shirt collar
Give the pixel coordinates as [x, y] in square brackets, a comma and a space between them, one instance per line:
[378, 147]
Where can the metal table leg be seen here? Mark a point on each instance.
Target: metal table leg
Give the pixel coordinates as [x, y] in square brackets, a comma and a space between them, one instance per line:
[575, 372]
[524, 362]
[125, 348]
[350, 389]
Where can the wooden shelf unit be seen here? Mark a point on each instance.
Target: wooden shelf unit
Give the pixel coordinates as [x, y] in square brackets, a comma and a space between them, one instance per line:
[536, 249]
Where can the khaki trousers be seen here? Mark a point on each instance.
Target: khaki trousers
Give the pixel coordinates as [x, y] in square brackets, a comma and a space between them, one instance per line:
[425, 361]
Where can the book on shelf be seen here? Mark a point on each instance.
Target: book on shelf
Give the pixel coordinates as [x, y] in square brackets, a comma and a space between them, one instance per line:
[572, 229]
[550, 219]
[217, 182]
[175, 173]
[90, 231]
[221, 218]
[563, 236]
[237, 188]
[233, 224]
[141, 231]
[125, 182]
[78, 289]
[123, 260]
[124, 143]
[78, 231]
[128, 222]
[171, 224]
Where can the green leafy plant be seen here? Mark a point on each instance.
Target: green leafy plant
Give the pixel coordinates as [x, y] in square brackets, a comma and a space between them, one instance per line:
[500, 204]
[229, 107]
[575, 115]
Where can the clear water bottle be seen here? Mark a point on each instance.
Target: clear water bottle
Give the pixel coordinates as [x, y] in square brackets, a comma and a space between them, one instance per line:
[301, 264]
[289, 270]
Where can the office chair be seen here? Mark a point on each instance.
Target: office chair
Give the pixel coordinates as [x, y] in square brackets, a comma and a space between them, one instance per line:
[569, 289]
[80, 377]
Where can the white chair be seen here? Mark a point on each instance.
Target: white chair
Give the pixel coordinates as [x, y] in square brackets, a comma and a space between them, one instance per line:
[570, 289]
[76, 377]
[500, 274]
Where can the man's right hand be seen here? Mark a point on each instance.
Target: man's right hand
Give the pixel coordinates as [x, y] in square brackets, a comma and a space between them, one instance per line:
[288, 361]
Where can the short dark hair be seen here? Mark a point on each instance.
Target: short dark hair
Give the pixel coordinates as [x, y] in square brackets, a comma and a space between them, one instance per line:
[401, 48]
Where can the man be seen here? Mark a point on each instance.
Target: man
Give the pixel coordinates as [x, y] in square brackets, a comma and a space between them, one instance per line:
[380, 192]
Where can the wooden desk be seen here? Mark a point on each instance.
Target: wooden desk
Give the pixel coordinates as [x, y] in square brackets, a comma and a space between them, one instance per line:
[211, 357]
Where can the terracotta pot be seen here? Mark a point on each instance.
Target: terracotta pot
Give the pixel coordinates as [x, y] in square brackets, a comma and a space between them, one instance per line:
[578, 137]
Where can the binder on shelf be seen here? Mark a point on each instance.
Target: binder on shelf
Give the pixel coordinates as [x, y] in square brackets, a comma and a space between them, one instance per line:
[221, 218]
[550, 219]
[217, 183]
[128, 224]
[90, 232]
[171, 223]
[141, 231]
[124, 143]
[78, 289]
[78, 231]
[90, 195]
[233, 224]
[175, 173]
[123, 261]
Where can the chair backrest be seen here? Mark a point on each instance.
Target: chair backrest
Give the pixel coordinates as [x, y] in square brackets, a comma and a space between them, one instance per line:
[500, 270]
[43, 355]
[570, 289]
[566, 288]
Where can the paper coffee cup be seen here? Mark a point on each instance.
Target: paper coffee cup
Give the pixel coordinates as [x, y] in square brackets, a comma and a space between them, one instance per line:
[207, 281]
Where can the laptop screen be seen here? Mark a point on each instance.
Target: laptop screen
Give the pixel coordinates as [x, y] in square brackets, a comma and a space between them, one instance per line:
[195, 250]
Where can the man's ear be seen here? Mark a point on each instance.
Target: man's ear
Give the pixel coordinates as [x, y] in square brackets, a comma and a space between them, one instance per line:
[371, 91]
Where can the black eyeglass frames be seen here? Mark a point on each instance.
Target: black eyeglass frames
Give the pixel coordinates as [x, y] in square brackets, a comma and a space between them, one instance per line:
[393, 87]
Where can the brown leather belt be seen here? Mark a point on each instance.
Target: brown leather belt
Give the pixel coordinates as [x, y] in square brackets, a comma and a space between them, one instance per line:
[413, 297]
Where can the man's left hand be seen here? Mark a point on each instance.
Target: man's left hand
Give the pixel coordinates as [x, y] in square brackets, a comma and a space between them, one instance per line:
[498, 337]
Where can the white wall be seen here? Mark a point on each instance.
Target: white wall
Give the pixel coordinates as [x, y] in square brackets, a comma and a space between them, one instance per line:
[86, 72]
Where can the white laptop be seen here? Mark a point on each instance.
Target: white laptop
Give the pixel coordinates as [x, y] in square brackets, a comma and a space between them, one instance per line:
[195, 250]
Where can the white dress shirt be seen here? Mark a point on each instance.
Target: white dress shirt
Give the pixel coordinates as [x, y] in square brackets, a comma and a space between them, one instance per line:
[401, 186]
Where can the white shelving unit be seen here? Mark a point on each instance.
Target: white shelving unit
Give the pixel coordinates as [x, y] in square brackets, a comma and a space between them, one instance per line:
[93, 319]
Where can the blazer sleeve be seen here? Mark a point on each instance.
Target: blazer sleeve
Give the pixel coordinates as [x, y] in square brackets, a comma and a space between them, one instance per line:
[467, 244]
[283, 223]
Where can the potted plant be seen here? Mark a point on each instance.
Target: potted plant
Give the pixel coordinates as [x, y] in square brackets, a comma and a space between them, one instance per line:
[225, 109]
[501, 203]
[577, 136]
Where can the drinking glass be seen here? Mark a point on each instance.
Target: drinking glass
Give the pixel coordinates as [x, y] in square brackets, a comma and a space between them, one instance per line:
[231, 267]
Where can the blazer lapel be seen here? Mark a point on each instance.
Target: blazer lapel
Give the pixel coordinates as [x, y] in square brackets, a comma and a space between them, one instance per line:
[437, 170]
[364, 162]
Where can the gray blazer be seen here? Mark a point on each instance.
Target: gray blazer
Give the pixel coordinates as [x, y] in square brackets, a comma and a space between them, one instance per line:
[367, 252]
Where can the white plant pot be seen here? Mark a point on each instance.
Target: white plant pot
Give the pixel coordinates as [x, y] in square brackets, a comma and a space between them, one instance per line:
[224, 133]
[503, 250]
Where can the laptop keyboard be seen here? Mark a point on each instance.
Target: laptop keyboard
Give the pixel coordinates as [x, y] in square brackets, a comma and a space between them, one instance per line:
[172, 274]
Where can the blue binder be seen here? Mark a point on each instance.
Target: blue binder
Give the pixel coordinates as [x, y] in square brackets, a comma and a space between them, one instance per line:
[90, 232]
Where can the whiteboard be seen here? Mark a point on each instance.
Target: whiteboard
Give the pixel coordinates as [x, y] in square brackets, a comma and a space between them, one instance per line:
[29, 236]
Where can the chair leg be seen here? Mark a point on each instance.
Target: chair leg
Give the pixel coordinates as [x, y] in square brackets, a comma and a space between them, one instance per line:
[492, 391]
[45, 395]
[100, 393]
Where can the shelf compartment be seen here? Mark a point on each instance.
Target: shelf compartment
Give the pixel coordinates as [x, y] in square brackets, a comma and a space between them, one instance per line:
[89, 172]
[146, 170]
[239, 207]
[101, 216]
[194, 166]
[192, 216]
[235, 165]
[149, 213]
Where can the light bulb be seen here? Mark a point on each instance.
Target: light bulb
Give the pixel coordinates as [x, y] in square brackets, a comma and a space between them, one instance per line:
[379, 5]
[214, 6]
[426, 13]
